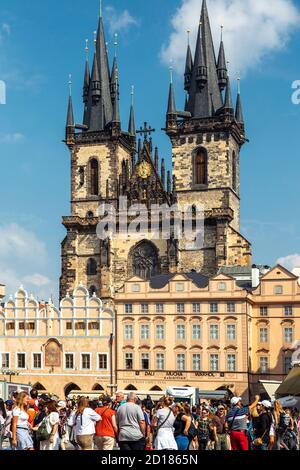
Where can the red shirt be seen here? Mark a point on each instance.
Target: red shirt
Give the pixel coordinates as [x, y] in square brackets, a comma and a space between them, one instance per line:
[104, 427]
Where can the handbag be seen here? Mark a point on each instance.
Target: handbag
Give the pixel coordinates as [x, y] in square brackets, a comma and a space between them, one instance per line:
[42, 433]
[192, 432]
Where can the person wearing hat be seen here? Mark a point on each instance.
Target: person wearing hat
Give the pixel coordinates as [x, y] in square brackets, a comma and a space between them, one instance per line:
[263, 427]
[106, 428]
[62, 424]
[220, 426]
[237, 419]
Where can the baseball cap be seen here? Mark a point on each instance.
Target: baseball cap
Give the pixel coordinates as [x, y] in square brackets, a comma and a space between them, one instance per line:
[9, 402]
[266, 404]
[235, 400]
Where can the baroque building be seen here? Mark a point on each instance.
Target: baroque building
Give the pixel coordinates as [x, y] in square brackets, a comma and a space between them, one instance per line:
[108, 162]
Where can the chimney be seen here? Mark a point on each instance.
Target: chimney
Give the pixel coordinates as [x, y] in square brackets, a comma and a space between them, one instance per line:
[255, 276]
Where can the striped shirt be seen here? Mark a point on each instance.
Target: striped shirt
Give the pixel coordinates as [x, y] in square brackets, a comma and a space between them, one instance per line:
[237, 418]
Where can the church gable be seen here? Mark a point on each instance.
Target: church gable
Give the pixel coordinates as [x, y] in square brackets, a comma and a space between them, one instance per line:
[279, 273]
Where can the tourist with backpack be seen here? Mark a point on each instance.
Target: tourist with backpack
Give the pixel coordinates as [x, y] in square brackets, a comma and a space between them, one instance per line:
[83, 421]
[204, 429]
[47, 432]
[163, 427]
[237, 419]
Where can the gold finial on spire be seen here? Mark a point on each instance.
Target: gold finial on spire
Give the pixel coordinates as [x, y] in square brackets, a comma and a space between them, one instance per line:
[87, 48]
[70, 85]
[116, 43]
[188, 35]
[171, 71]
[100, 8]
[239, 83]
[95, 38]
[132, 94]
[222, 28]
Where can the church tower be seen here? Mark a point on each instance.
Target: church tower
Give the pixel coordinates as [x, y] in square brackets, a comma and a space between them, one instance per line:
[105, 165]
[206, 142]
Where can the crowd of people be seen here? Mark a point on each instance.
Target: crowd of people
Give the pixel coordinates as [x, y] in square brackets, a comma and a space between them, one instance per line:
[33, 422]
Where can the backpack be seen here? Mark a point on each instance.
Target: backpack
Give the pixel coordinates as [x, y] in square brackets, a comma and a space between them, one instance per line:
[42, 434]
[192, 432]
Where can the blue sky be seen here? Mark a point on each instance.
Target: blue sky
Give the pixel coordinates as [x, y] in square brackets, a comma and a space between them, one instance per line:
[42, 42]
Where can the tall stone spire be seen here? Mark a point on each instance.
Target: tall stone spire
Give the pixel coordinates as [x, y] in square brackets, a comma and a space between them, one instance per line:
[222, 69]
[86, 86]
[131, 124]
[70, 113]
[114, 73]
[204, 83]
[228, 106]
[96, 111]
[103, 67]
[116, 108]
[239, 109]
[188, 66]
[171, 101]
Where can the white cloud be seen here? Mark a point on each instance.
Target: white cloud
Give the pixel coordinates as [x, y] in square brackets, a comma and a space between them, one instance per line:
[24, 260]
[6, 28]
[119, 21]
[11, 138]
[37, 280]
[252, 30]
[290, 262]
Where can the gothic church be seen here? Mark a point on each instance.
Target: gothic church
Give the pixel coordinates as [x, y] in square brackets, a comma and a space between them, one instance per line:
[108, 162]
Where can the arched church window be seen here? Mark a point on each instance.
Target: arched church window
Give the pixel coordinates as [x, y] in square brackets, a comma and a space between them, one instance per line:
[94, 177]
[91, 267]
[234, 179]
[81, 175]
[200, 167]
[144, 260]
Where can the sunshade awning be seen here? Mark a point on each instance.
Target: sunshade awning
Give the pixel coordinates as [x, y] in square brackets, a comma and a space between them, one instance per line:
[270, 387]
[291, 385]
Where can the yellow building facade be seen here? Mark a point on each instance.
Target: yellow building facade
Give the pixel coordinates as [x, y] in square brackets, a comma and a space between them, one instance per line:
[57, 350]
[187, 330]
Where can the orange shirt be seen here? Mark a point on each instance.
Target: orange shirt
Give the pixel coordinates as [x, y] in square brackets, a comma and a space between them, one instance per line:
[31, 413]
[104, 427]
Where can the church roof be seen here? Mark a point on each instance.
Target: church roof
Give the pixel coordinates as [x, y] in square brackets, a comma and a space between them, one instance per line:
[160, 281]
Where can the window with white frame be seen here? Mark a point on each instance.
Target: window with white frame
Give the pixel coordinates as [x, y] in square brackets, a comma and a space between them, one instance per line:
[180, 308]
[196, 308]
[159, 308]
[196, 362]
[231, 332]
[160, 332]
[214, 307]
[180, 361]
[288, 335]
[144, 308]
[231, 307]
[288, 311]
[5, 362]
[102, 361]
[196, 332]
[128, 361]
[180, 331]
[85, 361]
[37, 360]
[214, 332]
[264, 311]
[214, 362]
[263, 335]
[128, 332]
[231, 362]
[128, 308]
[264, 364]
[160, 361]
[21, 360]
[69, 361]
[145, 363]
[145, 332]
